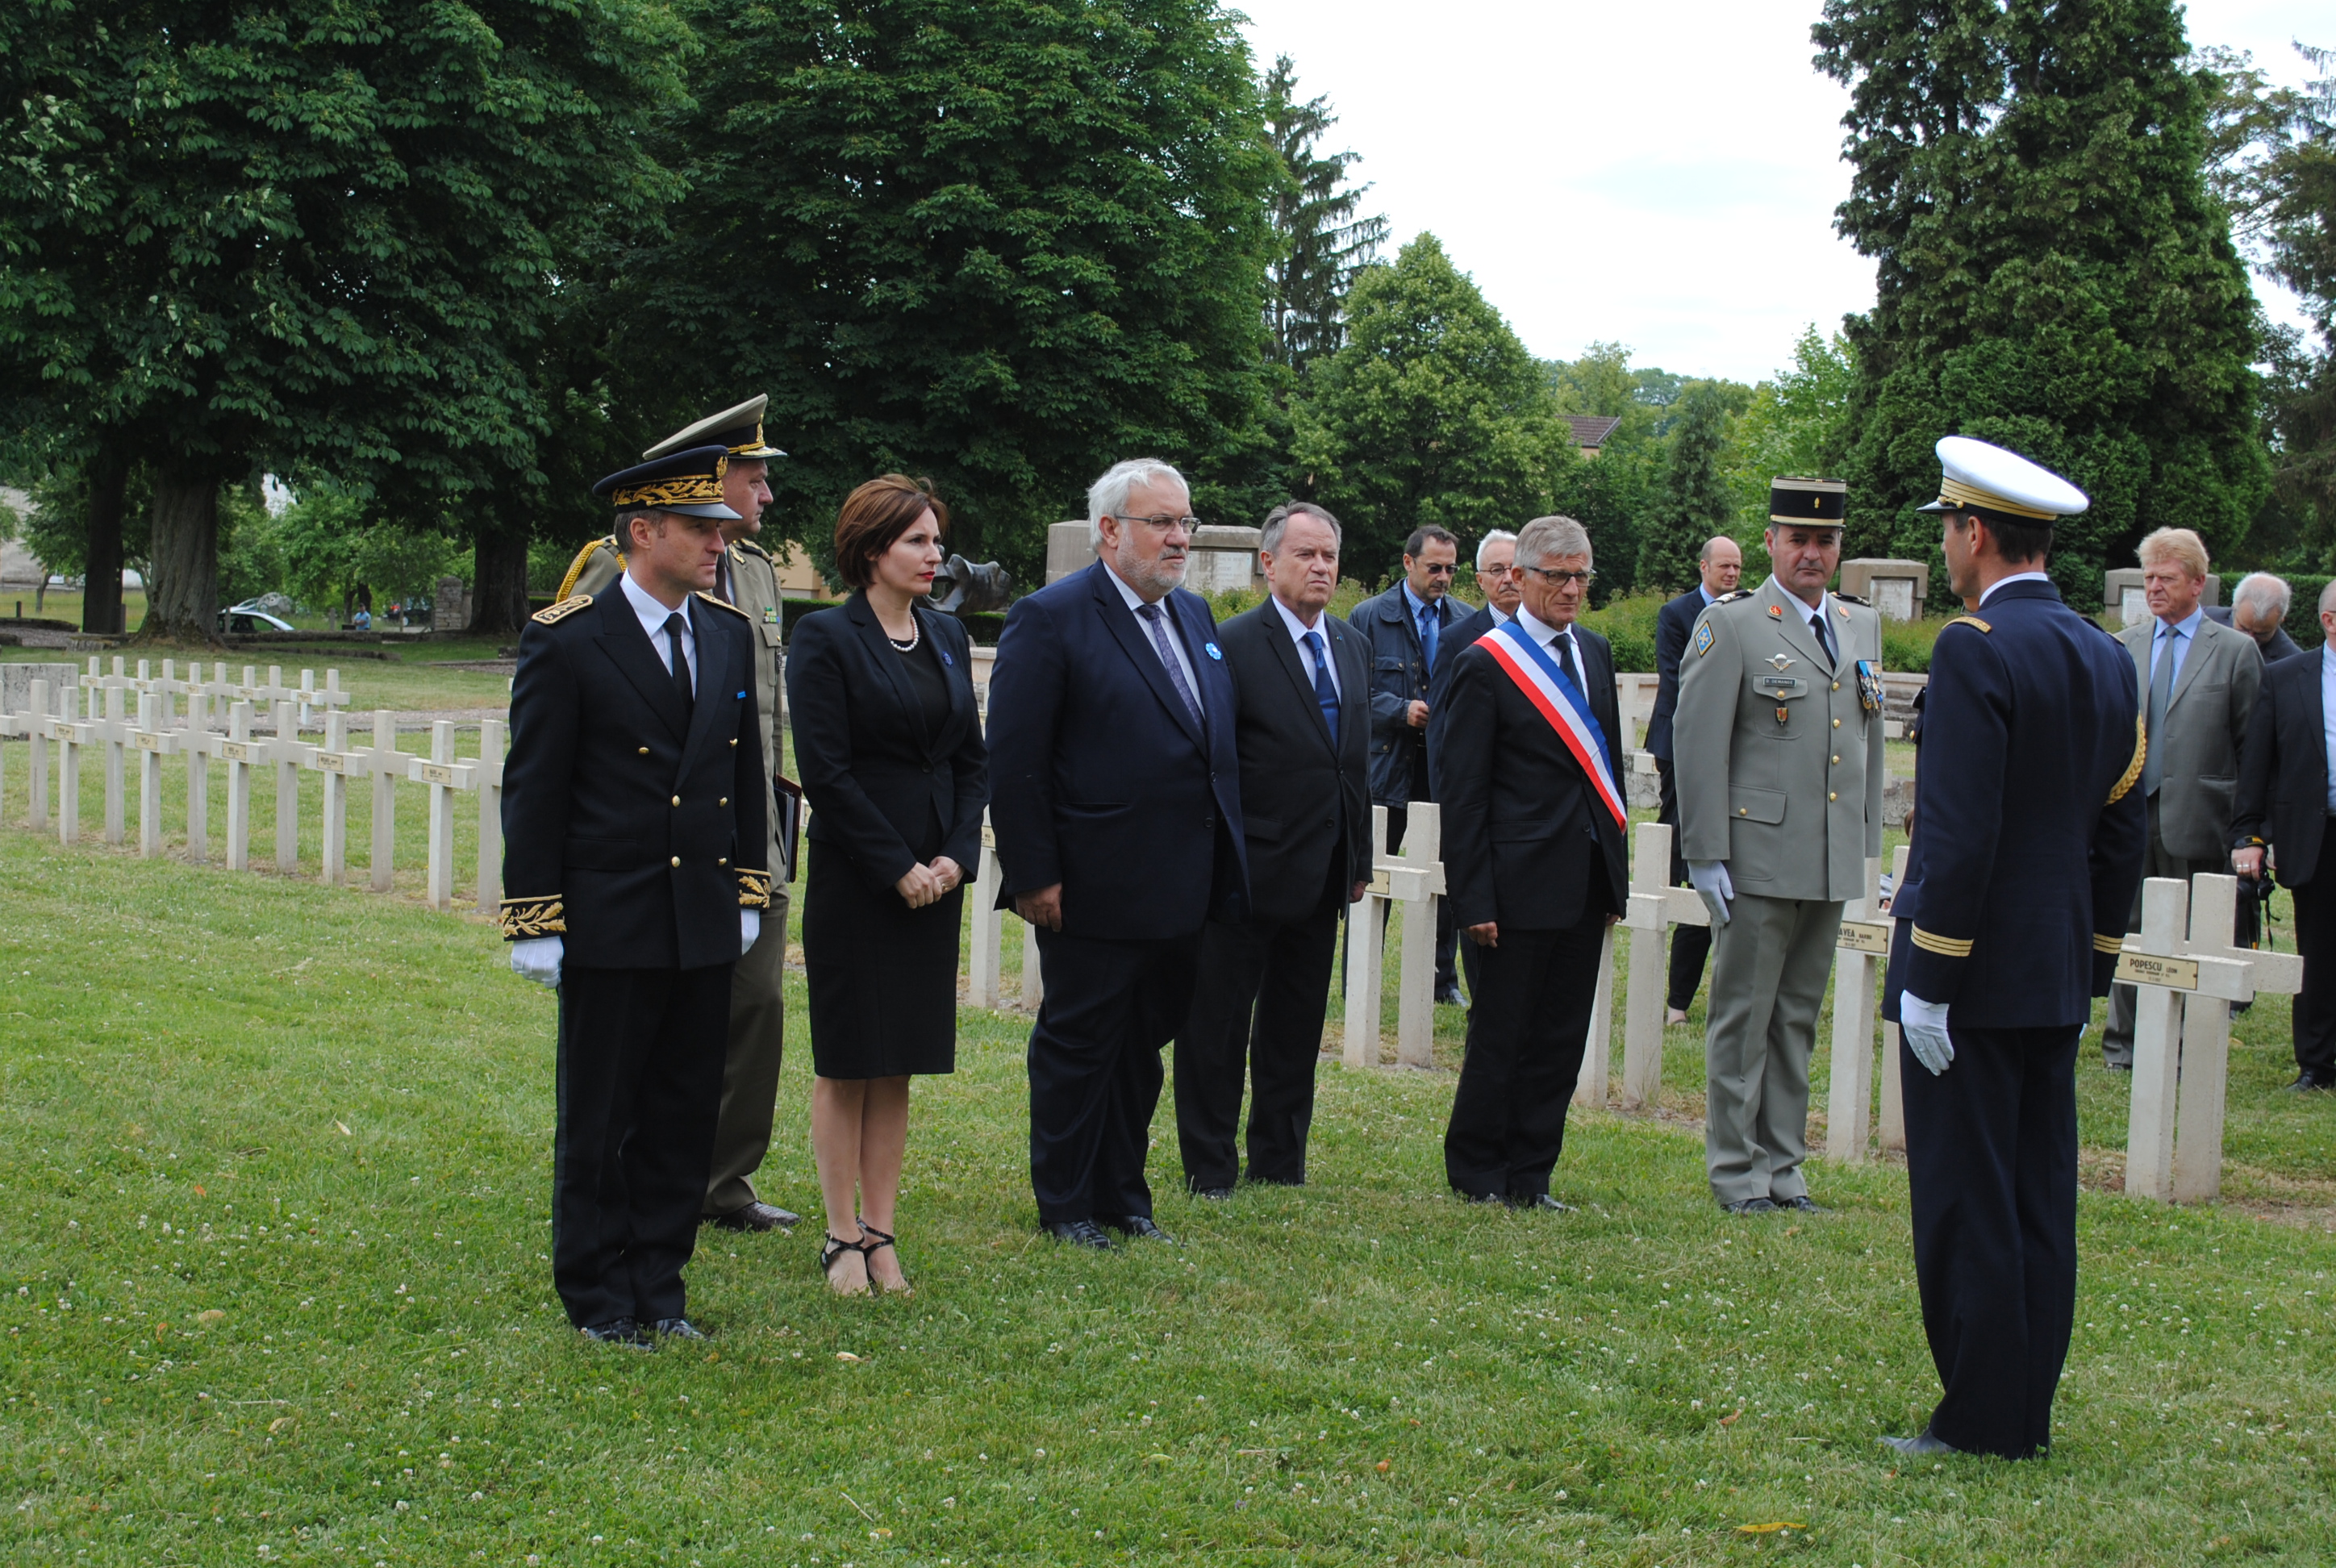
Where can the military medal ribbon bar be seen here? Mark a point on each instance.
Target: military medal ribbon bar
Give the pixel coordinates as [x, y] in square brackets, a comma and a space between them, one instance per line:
[1544, 684]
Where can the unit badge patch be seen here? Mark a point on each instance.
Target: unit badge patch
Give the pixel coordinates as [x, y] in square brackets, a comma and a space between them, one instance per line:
[1703, 639]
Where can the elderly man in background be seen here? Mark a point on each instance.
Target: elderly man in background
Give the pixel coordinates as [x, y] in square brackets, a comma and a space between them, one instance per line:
[1533, 821]
[1495, 554]
[2198, 682]
[1406, 627]
[2257, 608]
[1117, 806]
[1719, 567]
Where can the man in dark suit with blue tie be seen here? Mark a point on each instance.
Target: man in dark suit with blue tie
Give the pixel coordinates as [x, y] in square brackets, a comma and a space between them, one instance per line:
[1302, 724]
[1720, 567]
[1116, 807]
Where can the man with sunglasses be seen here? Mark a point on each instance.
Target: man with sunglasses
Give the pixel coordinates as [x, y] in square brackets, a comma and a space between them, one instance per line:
[1776, 745]
[1406, 627]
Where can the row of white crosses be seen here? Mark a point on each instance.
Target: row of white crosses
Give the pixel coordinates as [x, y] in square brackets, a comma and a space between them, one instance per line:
[155, 735]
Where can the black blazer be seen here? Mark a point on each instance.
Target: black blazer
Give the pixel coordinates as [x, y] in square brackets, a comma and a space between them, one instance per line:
[1523, 832]
[2283, 769]
[882, 787]
[1305, 794]
[2280, 646]
[1103, 783]
[1673, 625]
[1454, 638]
[632, 836]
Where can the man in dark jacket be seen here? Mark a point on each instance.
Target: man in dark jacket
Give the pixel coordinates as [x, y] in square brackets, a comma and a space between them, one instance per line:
[2258, 608]
[1301, 676]
[1720, 567]
[2285, 800]
[1405, 627]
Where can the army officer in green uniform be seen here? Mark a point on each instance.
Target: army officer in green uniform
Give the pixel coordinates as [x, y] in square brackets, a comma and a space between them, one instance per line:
[1777, 742]
[744, 578]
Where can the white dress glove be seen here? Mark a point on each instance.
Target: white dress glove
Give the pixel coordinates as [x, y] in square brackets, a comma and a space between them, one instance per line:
[1710, 878]
[750, 926]
[538, 958]
[1923, 1027]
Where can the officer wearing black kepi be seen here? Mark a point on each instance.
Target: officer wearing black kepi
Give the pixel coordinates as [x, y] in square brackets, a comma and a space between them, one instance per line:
[743, 577]
[634, 841]
[2026, 848]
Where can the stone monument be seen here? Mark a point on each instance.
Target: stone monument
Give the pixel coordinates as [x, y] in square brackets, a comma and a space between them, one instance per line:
[2122, 602]
[1895, 587]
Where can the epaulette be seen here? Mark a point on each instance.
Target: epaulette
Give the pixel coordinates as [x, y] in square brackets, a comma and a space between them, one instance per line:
[750, 547]
[1853, 598]
[711, 598]
[576, 567]
[1732, 598]
[1969, 620]
[553, 615]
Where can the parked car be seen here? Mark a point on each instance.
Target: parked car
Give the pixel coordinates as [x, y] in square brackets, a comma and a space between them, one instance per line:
[249, 617]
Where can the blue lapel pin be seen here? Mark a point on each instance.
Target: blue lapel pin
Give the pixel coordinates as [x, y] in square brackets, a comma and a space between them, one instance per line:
[945, 657]
[1212, 650]
[742, 696]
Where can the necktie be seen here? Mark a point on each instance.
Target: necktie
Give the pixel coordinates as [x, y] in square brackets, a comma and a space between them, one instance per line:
[1564, 646]
[1429, 629]
[2161, 687]
[722, 588]
[675, 629]
[1150, 613]
[1817, 630]
[1325, 694]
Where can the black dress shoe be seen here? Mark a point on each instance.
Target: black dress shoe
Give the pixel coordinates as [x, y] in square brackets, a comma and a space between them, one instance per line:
[1921, 1447]
[1080, 1233]
[1805, 1203]
[1749, 1206]
[677, 1328]
[2307, 1081]
[1450, 997]
[1213, 1194]
[759, 1216]
[615, 1331]
[1543, 1200]
[1140, 1228]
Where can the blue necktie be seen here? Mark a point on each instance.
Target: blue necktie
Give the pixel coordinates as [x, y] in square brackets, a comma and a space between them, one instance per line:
[1325, 693]
[1429, 626]
[1150, 615]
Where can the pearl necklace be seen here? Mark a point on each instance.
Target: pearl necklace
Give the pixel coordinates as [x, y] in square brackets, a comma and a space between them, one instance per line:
[916, 636]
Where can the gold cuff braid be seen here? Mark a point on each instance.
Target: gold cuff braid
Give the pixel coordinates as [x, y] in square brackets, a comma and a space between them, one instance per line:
[541, 917]
[2104, 943]
[1945, 947]
[753, 889]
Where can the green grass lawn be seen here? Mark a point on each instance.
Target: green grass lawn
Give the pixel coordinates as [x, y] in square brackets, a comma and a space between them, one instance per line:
[417, 677]
[274, 1290]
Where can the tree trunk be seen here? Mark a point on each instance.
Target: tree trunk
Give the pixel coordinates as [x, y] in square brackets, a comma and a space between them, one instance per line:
[182, 600]
[101, 605]
[499, 585]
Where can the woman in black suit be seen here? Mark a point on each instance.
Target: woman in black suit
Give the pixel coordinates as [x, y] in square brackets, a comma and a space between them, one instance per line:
[888, 746]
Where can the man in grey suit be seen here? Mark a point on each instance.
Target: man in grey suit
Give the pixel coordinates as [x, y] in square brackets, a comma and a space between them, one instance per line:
[2258, 608]
[2198, 684]
[1776, 744]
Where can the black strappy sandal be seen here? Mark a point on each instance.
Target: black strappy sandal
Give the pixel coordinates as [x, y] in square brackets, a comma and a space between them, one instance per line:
[875, 1242]
[835, 1250]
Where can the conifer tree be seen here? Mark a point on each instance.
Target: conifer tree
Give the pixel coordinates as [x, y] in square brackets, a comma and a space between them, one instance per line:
[1694, 502]
[1324, 244]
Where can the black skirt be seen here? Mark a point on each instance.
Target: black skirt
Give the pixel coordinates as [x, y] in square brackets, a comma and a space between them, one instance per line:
[883, 976]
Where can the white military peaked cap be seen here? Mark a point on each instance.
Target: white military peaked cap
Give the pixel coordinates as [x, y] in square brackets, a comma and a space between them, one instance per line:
[1974, 473]
[740, 429]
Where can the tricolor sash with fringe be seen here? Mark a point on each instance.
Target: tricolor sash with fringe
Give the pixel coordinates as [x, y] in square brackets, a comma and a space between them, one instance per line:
[1544, 682]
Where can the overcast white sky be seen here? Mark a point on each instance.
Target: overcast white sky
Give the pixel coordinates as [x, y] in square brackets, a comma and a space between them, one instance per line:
[1659, 175]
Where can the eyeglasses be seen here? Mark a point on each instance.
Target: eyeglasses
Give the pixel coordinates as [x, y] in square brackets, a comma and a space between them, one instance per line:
[1559, 579]
[1163, 523]
[1433, 569]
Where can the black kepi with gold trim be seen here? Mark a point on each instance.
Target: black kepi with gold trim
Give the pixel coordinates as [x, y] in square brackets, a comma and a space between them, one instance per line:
[1813, 503]
[738, 431]
[688, 484]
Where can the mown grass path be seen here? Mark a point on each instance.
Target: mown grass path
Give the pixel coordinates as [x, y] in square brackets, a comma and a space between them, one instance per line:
[273, 1289]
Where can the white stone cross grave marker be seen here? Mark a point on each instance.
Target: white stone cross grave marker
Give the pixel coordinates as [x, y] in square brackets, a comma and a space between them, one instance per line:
[241, 753]
[1861, 952]
[1413, 879]
[1893, 1095]
[986, 923]
[1655, 907]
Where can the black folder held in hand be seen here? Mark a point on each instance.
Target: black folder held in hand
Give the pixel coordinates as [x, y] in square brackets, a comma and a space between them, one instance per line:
[788, 794]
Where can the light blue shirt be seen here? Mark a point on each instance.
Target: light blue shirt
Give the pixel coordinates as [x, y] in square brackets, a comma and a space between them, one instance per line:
[2173, 641]
[1299, 632]
[2328, 717]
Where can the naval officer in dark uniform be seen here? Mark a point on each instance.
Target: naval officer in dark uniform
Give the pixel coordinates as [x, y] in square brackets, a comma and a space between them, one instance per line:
[2024, 860]
[634, 852]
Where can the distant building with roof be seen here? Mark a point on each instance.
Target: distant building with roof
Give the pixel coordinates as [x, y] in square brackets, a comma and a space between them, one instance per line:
[1591, 431]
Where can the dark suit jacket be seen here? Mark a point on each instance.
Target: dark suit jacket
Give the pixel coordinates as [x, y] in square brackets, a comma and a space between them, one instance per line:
[1673, 625]
[1523, 830]
[1400, 676]
[2283, 771]
[1305, 793]
[635, 837]
[881, 786]
[2280, 646]
[1448, 647]
[1102, 782]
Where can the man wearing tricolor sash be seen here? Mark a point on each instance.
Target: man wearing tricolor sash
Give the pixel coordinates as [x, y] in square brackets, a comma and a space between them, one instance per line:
[1533, 815]
[1778, 749]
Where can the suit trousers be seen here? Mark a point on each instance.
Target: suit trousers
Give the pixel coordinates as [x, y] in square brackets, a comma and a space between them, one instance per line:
[1690, 945]
[1527, 1026]
[1447, 935]
[1094, 1068]
[750, 1067]
[640, 1086]
[2116, 1038]
[1769, 966]
[1260, 1000]
[2315, 939]
[1991, 1172]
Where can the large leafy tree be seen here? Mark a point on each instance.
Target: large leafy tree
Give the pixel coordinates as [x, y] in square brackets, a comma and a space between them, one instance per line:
[2051, 271]
[1324, 242]
[2296, 187]
[315, 235]
[1002, 243]
[1694, 502]
[1431, 412]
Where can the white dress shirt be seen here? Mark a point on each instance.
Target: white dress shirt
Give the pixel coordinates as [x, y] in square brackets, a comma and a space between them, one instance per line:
[1299, 632]
[2174, 641]
[653, 616]
[1500, 616]
[2006, 582]
[1545, 635]
[1168, 623]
